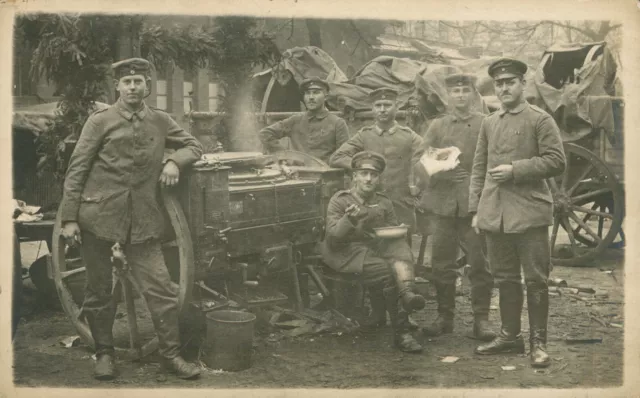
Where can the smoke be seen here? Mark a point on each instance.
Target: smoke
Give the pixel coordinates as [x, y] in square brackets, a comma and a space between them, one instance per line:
[244, 125]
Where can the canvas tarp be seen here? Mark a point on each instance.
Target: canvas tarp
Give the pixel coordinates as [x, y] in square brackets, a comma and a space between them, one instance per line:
[418, 83]
[37, 118]
[281, 89]
[574, 83]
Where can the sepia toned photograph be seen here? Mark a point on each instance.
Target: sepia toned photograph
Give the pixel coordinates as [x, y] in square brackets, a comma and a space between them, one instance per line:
[248, 202]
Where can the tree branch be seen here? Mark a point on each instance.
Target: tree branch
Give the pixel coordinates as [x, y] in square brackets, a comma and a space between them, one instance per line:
[361, 37]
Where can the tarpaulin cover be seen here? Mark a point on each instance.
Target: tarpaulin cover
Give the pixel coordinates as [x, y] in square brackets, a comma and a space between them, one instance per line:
[574, 83]
[418, 83]
[302, 63]
[36, 118]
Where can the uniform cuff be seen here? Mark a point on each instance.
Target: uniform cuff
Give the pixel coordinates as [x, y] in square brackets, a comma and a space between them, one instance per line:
[344, 227]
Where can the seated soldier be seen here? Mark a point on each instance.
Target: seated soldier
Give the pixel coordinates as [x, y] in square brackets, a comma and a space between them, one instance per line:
[351, 246]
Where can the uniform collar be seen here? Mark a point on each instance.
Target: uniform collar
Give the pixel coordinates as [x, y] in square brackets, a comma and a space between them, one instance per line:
[515, 110]
[126, 113]
[459, 118]
[370, 201]
[320, 115]
[391, 129]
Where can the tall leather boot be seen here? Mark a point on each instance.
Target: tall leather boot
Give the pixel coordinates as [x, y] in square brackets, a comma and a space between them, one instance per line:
[480, 303]
[446, 296]
[538, 307]
[101, 331]
[402, 339]
[509, 340]
[378, 316]
[405, 280]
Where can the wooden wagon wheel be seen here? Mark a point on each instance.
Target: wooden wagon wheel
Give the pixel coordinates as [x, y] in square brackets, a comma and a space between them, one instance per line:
[588, 205]
[63, 271]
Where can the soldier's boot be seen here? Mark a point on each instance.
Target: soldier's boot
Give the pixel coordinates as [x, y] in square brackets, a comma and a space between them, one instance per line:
[101, 328]
[480, 302]
[405, 281]
[538, 308]
[105, 368]
[402, 338]
[378, 316]
[509, 340]
[181, 368]
[446, 296]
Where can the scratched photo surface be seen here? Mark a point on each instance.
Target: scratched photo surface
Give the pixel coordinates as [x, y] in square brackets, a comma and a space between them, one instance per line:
[274, 263]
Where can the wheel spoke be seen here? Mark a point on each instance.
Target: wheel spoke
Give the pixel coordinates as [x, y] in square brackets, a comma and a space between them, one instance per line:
[590, 195]
[554, 233]
[579, 180]
[572, 238]
[601, 223]
[591, 212]
[553, 185]
[584, 226]
[67, 274]
[565, 175]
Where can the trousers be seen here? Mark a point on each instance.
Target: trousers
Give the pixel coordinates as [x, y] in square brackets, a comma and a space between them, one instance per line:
[449, 233]
[147, 266]
[530, 250]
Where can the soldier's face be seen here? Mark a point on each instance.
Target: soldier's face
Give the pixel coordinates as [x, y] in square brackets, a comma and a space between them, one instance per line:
[366, 181]
[314, 98]
[461, 97]
[509, 90]
[132, 89]
[385, 110]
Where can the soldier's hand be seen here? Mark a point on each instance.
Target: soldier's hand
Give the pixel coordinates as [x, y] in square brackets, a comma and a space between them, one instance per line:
[474, 224]
[502, 173]
[170, 174]
[71, 233]
[354, 212]
[459, 174]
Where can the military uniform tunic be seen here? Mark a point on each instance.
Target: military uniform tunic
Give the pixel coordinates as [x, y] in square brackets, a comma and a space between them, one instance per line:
[527, 138]
[402, 149]
[350, 247]
[441, 195]
[318, 135]
[111, 184]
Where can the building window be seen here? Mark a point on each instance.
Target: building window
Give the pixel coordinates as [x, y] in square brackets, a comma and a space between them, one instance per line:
[23, 84]
[161, 94]
[187, 88]
[213, 96]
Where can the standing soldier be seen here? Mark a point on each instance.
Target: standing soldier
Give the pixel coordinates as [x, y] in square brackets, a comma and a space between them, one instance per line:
[110, 196]
[402, 149]
[519, 146]
[447, 194]
[350, 245]
[316, 132]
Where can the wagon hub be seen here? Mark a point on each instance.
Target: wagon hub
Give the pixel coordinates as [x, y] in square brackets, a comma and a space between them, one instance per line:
[561, 203]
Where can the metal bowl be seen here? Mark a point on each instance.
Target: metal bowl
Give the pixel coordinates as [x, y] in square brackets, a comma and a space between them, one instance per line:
[391, 232]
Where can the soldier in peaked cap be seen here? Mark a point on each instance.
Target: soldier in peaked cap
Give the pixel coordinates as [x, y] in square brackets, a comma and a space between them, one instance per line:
[110, 196]
[518, 148]
[350, 245]
[316, 132]
[402, 148]
[446, 194]
[507, 67]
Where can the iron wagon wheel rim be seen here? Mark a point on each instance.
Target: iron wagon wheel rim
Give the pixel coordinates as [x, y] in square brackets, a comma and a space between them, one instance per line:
[613, 245]
[185, 247]
[566, 202]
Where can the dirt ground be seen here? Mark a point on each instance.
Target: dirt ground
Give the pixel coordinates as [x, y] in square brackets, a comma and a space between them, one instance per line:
[360, 360]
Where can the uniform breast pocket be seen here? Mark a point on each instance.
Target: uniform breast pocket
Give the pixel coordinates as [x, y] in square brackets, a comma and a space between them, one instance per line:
[318, 137]
[507, 140]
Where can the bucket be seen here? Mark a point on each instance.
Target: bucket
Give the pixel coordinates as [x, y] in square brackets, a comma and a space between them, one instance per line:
[229, 340]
